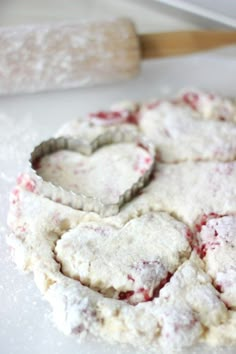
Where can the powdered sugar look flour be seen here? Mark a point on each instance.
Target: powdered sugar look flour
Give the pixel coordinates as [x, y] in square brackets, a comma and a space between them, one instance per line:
[158, 298]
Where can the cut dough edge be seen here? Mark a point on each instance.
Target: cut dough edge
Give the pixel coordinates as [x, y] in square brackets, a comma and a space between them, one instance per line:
[51, 284]
[57, 289]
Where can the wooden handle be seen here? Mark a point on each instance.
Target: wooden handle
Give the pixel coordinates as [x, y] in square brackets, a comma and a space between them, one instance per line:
[155, 45]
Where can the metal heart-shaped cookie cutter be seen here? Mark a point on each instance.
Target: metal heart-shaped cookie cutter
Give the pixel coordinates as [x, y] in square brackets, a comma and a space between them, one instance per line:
[79, 200]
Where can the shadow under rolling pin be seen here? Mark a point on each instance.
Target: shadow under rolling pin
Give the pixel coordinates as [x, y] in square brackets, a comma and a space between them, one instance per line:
[59, 56]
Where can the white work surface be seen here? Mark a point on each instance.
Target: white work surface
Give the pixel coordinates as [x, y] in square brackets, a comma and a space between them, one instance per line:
[25, 324]
[148, 15]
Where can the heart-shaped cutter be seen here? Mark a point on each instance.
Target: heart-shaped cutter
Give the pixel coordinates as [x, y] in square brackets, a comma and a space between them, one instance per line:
[79, 200]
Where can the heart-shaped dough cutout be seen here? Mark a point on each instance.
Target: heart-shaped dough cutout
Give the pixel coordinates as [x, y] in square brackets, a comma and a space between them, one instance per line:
[117, 167]
[131, 263]
[216, 245]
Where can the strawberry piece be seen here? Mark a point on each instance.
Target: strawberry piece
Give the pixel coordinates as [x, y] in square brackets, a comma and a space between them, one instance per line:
[191, 99]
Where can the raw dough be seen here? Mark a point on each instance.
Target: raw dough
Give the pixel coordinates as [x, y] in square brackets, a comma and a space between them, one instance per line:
[94, 175]
[180, 135]
[217, 246]
[129, 263]
[161, 274]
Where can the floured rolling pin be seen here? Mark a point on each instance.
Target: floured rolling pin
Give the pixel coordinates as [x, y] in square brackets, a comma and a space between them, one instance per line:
[48, 57]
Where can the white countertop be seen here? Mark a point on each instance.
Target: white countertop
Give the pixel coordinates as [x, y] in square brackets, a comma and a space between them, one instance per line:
[149, 15]
[25, 326]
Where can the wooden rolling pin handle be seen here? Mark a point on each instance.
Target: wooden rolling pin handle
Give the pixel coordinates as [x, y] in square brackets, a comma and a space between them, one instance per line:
[166, 44]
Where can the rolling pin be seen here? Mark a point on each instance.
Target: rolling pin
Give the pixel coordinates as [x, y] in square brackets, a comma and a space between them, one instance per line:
[58, 56]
